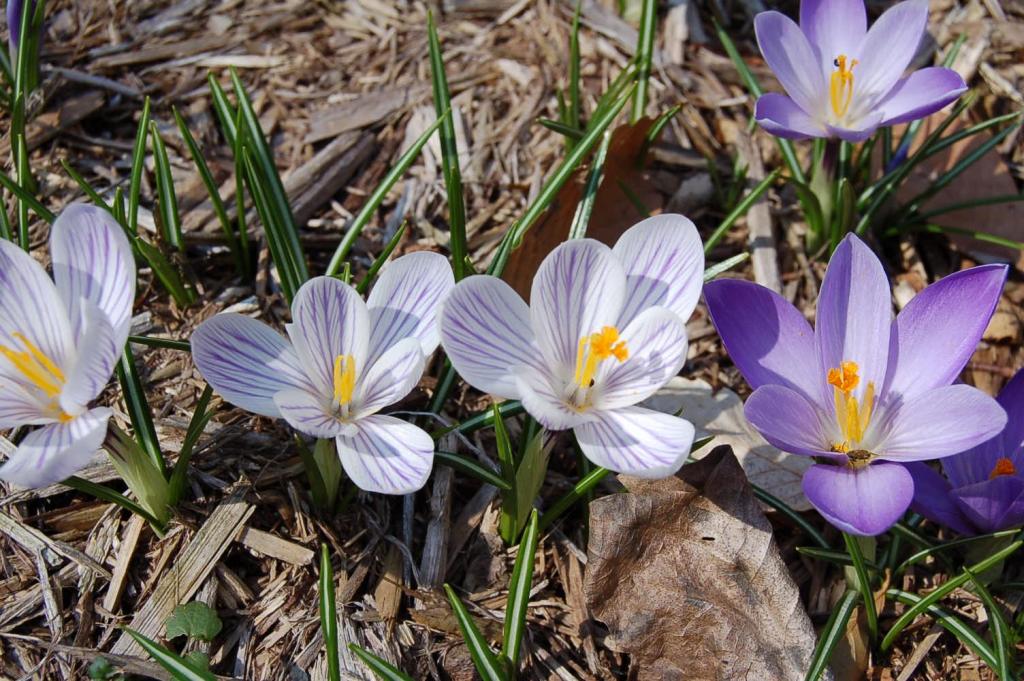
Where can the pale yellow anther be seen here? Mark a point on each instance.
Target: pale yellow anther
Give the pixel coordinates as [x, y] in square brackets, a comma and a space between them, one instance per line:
[344, 379]
[841, 85]
[594, 349]
[852, 414]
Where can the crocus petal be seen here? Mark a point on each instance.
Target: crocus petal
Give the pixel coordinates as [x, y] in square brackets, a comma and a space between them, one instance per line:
[18, 407]
[578, 290]
[767, 338]
[993, 505]
[330, 320]
[656, 340]
[636, 441]
[939, 423]
[664, 263]
[387, 455]
[865, 501]
[854, 313]
[246, 361]
[93, 261]
[406, 301]
[308, 413]
[787, 420]
[937, 332]
[977, 463]
[485, 330]
[782, 117]
[932, 498]
[864, 128]
[58, 450]
[920, 94]
[99, 350]
[833, 27]
[30, 306]
[792, 59]
[391, 377]
[888, 47]
[545, 399]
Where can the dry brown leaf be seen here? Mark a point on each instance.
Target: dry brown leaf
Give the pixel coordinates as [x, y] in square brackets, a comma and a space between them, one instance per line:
[721, 415]
[686, 575]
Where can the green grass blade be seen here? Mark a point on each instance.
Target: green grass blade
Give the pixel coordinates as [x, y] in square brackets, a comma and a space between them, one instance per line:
[93, 195]
[563, 129]
[19, 141]
[740, 210]
[578, 491]
[138, 164]
[26, 196]
[574, 113]
[951, 139]
[973, 203]
[290, 283]
[201, 416]
[471, 468]
[178, 667]
[581, 218]
[382, 668]
[163, 270]
[138, 408]
[942, 229]
[724, 266]
[940, 548]
[484, 419]
[644, 57]
[656, 128]
[365, 214]
[508, 464]
[834, 631]
[486, 663]
[329, 615]
[519, 594]
[954, 625]
[449, 154]
[104, 493]
[170, 218]
[1002, 638]
[863, 584]
[389, 248]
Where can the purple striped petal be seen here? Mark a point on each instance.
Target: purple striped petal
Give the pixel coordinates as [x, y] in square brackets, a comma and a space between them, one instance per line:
[792, 59]
[921, 94]
[387, 455]
[98, 353]
[579, 289]
[93, 261]
[938, 331]
[787, 420]
[938, 423]
[329, 319]
[864, 501]
[780, 115]
[18, 407]
[887, 49]
[391, 377]
[656, 340]
[545, 398]
[767, 338]
[664, 263]
[406, 302]
[58, 450]
[933, 500]
[854, 314]
[30, 306]
[246, 361]
[993, 505]
[486, 332]
[308, 413]
[833, 27]
[636, 441]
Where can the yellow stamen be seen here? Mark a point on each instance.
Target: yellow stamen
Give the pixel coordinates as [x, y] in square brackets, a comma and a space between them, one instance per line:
[344, 379]
[34, 365]
[852, 414]
[596, 348]
[1003, 466]
[841, 85]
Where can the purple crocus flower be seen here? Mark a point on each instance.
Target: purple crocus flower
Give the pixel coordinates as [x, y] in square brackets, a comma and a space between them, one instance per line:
[842, 79]
[983, 490]
[605, 328]
[344, 361]
[14, 9]
[862, 391]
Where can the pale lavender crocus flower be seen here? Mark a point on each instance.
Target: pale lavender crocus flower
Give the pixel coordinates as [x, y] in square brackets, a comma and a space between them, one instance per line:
[983, 489]
[605, 328]
[60, 340]
[843, 80]
[14, 10]
[344, 361]
[862, 392]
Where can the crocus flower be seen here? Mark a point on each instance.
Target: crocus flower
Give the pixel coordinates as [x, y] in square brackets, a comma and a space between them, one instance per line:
[14, 10]
[862, 390]
[983, 490]
[844, 80]
[605, 328]
[343, 361]
[60, 340]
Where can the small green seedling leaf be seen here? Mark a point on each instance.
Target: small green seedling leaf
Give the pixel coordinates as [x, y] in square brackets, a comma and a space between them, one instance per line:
[196, 620]
[101, 669]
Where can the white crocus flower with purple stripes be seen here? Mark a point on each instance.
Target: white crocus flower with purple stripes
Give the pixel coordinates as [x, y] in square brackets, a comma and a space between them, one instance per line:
[605, 328]
[343, 361]
[60, 340]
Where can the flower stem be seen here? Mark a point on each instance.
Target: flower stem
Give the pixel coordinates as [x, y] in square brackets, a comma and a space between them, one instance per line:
[862, 581]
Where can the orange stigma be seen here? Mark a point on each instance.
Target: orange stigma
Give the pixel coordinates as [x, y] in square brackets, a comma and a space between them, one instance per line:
[1003, 467]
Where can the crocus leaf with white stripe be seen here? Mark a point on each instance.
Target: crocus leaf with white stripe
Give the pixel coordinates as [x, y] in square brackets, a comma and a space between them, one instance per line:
[343, 361]
[605, 328]
[60, 340]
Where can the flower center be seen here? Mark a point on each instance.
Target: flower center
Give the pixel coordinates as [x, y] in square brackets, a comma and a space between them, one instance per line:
[1003, 466]
[853, 415]
[594, 349]
[344, 379]
[840, 85]
[39, 370]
